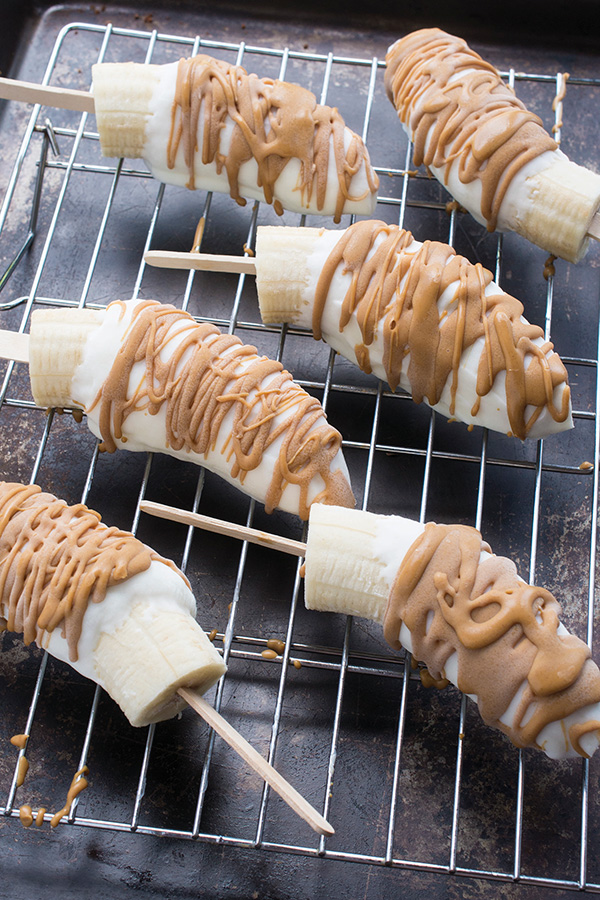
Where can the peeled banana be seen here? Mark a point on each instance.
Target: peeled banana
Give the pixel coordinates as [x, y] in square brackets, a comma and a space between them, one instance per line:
[149, 377]
[102, 601]
[205, 124]
[440, 592]
[418, 316]
[481, 142]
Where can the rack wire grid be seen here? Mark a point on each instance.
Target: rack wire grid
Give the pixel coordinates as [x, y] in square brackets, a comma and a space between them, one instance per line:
[408, 776]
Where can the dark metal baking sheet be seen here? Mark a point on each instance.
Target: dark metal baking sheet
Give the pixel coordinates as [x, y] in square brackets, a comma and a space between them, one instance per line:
[470, 817]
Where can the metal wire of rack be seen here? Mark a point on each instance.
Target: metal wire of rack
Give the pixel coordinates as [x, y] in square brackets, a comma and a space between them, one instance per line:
[382, 749]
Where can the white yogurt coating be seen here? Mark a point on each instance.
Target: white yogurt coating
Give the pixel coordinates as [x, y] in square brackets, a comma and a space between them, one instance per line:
[286, 188]
[553, 739]
[145, 432]
[528, 203]
[492, 412]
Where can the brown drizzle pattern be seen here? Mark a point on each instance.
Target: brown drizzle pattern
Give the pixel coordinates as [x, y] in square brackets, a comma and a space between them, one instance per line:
[55, 560]
[503, 630]
[457, 109]
[274, 122]
[402, 290]
[201, 381]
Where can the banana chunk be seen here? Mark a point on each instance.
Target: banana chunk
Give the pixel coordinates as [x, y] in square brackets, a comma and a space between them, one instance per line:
[481, 142]
[102, 601]
[420, 317]
[150, 378]
[201, 123]
[440, 592]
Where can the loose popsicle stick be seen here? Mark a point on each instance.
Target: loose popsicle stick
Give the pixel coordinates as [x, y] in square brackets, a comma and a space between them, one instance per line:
[260, 765]
[14, 345]
[219, 526]
[46, 95]
[208, 262]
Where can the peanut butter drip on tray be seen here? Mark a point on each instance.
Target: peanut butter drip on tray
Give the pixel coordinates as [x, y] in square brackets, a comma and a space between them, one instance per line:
[394, 296]
[503, 630]
[55, 560]
[457, 109]
[273, 123]
[202, 376]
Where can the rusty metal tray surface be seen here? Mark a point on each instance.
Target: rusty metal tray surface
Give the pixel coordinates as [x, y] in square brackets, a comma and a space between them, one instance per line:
[422, 796]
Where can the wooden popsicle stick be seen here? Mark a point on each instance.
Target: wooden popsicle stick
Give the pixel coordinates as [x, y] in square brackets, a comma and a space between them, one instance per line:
[594, 228]
[260, 765]
[219, 526]
[14, 345]
[208, 262]
[46, 95]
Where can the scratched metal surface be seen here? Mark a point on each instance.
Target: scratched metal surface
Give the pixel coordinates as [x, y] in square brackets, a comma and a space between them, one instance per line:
[417, 810]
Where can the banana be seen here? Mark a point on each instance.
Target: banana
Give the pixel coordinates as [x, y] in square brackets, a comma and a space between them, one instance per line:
[151, 379]
[420, 317]
[204, 124]
[144, 662]
[481, 142]
[102, 601]
[56, 350]
[284, 281]
[122, 101]
[345, 571]
[440, 592]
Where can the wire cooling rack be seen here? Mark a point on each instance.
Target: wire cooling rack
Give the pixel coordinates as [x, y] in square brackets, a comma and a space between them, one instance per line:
[408, 776]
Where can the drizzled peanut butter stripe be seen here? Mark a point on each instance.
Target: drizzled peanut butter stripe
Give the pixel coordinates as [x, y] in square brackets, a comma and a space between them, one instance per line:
[273, 122]
[202, 377]
[55, 560]
[457, 109]
[504, 632]
[394, 293]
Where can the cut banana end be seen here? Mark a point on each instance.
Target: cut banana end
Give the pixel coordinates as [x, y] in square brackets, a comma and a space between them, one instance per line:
[122, 99]
[282, 274]
[149, 657]
[565, 199]
[56, 347]
[347, 563]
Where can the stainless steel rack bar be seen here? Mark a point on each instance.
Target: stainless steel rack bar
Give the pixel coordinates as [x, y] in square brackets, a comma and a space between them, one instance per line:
[384, 433]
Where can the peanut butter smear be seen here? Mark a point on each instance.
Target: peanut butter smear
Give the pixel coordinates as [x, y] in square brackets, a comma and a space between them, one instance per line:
[55, 560]
[273, 123]
[458, 110]
[395, 292]
[504, 632]
[202, 377]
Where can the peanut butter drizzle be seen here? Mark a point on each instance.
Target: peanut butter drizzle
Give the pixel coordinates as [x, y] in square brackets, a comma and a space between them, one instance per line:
[78, 784]
[274, 122]
[557, 103]
[26, 815]
[399, 292]
[457, 108]
[220, 375]
[22, 770]
[55, 560]
[503, 631]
